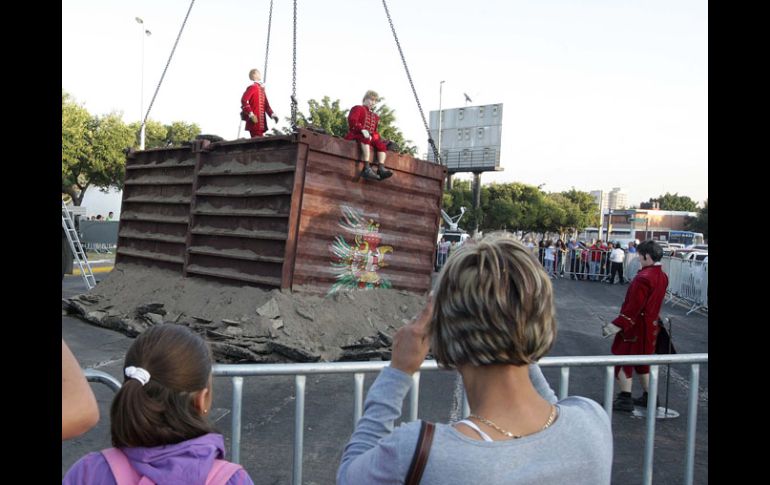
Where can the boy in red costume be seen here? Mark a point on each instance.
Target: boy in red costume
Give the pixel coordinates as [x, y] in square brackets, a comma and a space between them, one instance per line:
[254, 106]
[636, 328]
[362, 127]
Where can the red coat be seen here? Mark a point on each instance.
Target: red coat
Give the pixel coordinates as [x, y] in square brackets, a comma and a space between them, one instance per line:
[254, 100]
[639, 313]
[362, 118]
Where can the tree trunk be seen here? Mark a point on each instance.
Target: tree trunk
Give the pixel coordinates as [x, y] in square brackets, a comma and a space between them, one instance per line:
[77, 196]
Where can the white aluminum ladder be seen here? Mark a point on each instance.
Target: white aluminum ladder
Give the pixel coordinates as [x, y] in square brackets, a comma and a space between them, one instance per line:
[77, 249]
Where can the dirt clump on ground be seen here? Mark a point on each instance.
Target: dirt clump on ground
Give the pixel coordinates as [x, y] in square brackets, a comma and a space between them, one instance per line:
[249, 324]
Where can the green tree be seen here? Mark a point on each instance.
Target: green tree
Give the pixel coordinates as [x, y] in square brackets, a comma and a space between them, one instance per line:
[111, 137]
[676, 202]
[180, 132]
[328, 116]
[92, 149]
[76, 150]
[584, 211]
[389, 131]
[701, 222]
[521, 207]
[158, 135]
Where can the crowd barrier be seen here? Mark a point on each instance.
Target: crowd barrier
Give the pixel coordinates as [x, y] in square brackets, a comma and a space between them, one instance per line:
[300, 371]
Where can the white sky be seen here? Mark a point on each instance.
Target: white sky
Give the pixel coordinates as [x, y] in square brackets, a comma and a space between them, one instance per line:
[597, 93]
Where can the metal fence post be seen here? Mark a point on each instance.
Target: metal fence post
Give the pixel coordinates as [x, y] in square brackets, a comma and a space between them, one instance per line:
[236, 421]
[692, 414]
[358, 405]
[652, 412]
[299, 429]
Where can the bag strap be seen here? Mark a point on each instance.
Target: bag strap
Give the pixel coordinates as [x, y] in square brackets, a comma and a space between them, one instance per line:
[121, 468]
[421, 453]
[125, 474]
[221, 471]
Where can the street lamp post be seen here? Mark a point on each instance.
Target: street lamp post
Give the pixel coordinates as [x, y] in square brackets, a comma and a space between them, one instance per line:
[145, 33]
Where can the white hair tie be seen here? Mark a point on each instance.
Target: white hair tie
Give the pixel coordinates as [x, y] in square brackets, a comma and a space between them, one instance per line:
[137, 373]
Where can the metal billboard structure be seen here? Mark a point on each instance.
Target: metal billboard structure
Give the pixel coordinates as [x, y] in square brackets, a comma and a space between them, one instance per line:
[469, 139]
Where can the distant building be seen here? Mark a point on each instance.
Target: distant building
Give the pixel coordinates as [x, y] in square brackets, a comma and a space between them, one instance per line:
[614, 199]
[601, 199]
[640, 224]
[617, 199]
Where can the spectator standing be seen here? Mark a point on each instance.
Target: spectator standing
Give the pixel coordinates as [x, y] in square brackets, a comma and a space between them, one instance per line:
[492, 319]
[159, 418]
[79, 411]
[636, 327]
[617, 257]
[548, 259]
[596, 259]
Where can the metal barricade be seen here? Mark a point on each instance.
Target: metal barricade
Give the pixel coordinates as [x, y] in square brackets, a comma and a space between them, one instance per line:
[687, 282]
[300, 371]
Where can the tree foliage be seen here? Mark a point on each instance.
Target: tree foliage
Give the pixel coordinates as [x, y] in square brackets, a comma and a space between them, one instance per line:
[701, 222]
[676, 202]
[93, 146]
[92, 149]
[328, 116]
[157, 135]
[521, 207]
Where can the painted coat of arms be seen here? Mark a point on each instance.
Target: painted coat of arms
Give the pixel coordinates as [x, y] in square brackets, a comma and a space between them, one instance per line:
[357, 264]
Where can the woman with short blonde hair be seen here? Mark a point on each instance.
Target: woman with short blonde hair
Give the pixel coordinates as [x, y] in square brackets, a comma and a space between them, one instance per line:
[491, 317]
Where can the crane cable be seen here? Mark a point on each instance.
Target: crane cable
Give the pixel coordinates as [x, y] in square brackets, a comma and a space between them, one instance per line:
[157, 88]
[267, 43]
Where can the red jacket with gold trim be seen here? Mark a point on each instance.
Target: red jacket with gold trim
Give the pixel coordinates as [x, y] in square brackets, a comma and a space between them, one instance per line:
[639, 313]
[254, 100]
[362, 118]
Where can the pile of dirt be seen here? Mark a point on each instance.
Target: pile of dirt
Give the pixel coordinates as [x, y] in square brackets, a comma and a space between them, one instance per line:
[248, 324]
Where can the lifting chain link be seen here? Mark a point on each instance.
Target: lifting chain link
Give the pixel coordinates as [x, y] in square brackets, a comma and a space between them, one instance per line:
[436, 154]
[294, 75]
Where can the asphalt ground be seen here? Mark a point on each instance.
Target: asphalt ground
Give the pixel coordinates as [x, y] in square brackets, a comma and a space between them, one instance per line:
[268, 402]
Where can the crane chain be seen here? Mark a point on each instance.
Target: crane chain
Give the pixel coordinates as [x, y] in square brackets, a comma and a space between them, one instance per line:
[436, 154]
[294, 74]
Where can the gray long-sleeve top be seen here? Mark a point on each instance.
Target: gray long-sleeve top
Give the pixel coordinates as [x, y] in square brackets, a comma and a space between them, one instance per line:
[575, 449]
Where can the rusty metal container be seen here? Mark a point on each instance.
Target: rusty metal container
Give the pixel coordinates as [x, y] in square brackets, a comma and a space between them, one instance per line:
[282, 211]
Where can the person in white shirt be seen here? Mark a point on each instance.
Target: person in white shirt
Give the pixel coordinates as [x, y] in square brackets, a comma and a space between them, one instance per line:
[617, 256]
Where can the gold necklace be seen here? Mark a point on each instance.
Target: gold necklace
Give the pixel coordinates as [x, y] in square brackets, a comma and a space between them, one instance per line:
[508, 433]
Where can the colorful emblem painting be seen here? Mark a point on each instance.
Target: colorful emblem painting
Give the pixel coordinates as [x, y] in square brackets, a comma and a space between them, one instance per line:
[357, 264]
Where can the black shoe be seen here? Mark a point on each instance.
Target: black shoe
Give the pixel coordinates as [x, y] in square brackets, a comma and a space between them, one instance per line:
[384, 172]
[623, 402]
[642, 400]
[369, 174]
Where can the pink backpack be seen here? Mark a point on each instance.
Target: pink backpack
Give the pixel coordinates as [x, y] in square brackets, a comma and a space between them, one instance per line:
[125, 474]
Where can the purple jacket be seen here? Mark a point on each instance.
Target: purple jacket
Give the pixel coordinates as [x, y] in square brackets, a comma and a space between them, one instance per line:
[185, 463]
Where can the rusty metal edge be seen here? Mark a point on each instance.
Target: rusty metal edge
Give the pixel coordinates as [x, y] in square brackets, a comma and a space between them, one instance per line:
[290, 251]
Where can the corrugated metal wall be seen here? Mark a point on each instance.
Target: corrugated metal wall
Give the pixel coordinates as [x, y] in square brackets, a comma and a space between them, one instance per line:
[406, 208]
[156, 207]
[267, 212]
[241, 206]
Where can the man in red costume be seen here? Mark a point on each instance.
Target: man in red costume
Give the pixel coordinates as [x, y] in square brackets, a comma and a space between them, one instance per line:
[636, 328]
[362, 127]
[254, 106]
